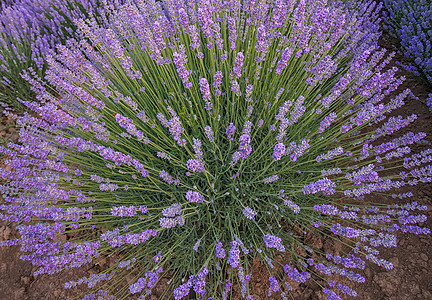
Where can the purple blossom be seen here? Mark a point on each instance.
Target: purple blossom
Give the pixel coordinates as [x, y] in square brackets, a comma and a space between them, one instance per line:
[330, 154]
[232, 32]
[181, 291]
[235, 88]
[261, 38]
[196, 246]
[274, 242]
[326, 209]
[244, 148]
[124, 211]
[230, 131]
[180, 60]
[238, 64]
[326, 122]
[194, 35]
[271, 179]
[325, 185]
[429, 102]
[249, 213]
[274, 284]
[193, 196]
[295, 275]
[197, 148]
[248, 95]
[279, 150]
[220, 251]
[217, 79]
[166, 177]
[234, 255]
[172, 210]
[205, 89]
[171, 222]
[157, 257]
[406, 20]
[195, 165]
[205, 18]
[209, 133]
[176, 129]
[286, 54]
[292, 205]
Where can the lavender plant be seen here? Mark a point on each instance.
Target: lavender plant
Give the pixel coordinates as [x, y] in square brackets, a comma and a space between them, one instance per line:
[410, 21]
[29, 31]
[429, 102]
[194, 138]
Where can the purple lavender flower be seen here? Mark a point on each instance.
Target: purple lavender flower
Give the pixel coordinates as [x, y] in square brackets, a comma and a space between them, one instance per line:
[234, 255]
[171, 222]
[248, 94]
[249, 213]
[324, 185]
[123, 211]
[217, 79]
[173, 210]
[235, 88]
[196, 246]
[274, 285]
[238, 64]
[271, 179]
[209, 133]
[195, 165]
[245, 148]
[220, 251]
[205, 89]
[230, 131]
[261, 38]
[327, 122]
[279, 150]
[274, 242]
[232, 32]
[194, 34]
[195, 197]
[205, 18]
[166, 177]
[180, 59]
[284, 60]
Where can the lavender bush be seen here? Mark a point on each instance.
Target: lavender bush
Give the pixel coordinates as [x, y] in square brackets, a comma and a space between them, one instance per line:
[429, 102]
[192, 138]
[29, 32]
[411, 22]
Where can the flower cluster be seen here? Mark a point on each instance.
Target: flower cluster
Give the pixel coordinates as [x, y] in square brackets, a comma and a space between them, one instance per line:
[209, 135]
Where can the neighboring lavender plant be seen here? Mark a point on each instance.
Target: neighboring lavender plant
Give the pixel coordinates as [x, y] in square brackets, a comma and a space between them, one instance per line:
[29, 31]
[411, 22]
[192, 139]
[429, 102]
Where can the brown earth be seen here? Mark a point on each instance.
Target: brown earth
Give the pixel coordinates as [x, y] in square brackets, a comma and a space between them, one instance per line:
[409, 280]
